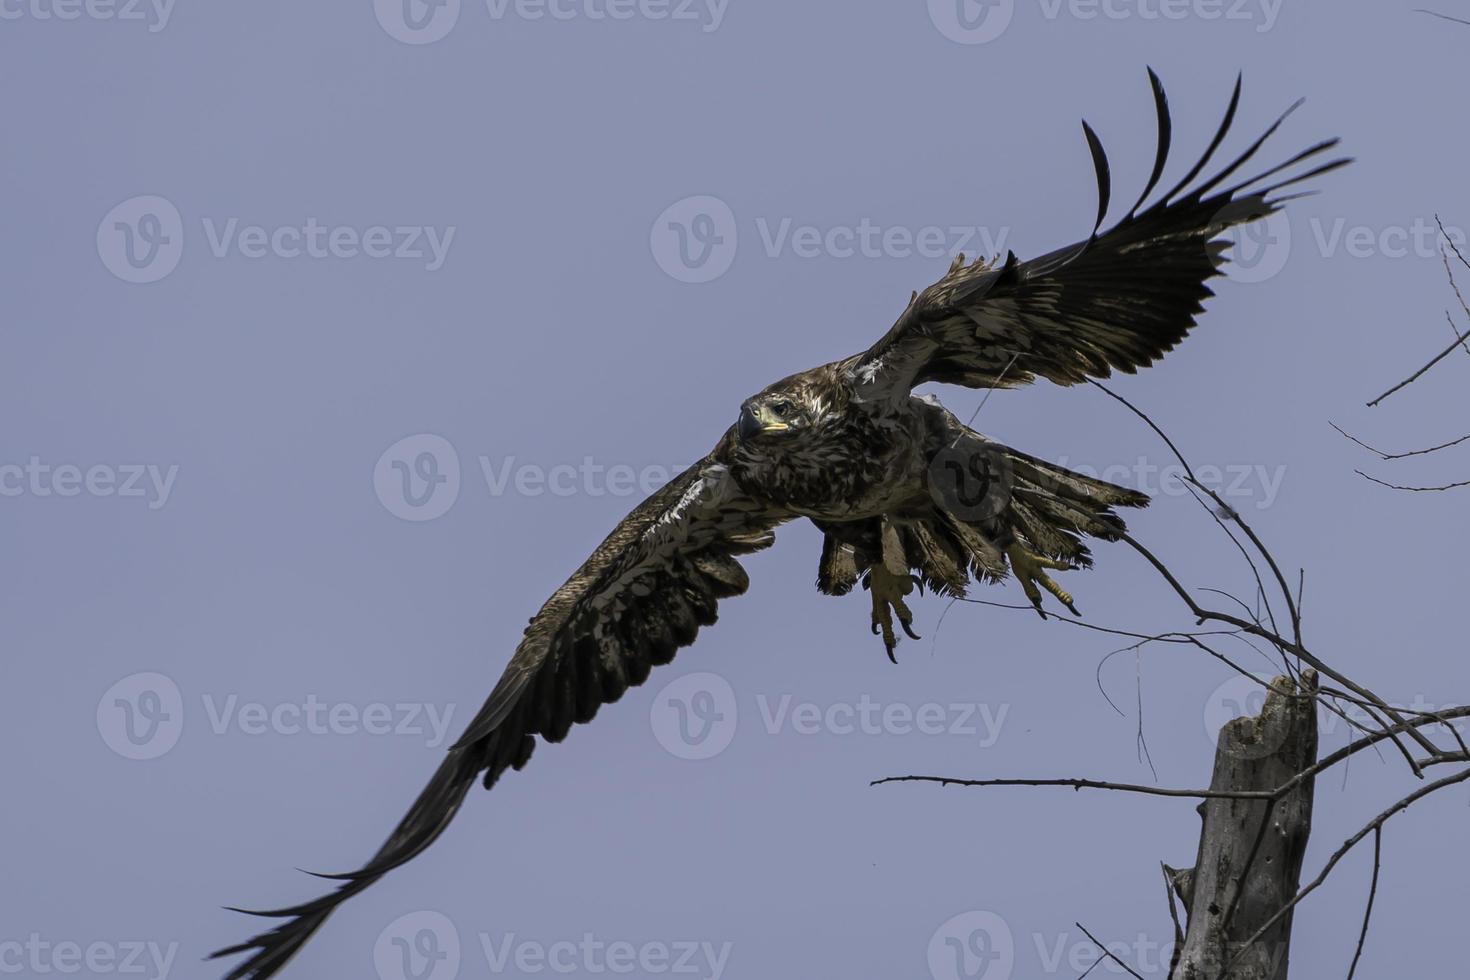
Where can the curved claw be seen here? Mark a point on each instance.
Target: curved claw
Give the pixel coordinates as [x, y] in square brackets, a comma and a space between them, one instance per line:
[888, 591]
[1028, 569]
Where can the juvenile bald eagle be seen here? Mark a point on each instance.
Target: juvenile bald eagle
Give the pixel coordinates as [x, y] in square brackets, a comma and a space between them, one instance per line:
[903, 491]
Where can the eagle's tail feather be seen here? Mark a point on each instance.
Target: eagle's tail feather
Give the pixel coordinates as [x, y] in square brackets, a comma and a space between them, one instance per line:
[1054, 508]
[1072, 486]
[430, 814]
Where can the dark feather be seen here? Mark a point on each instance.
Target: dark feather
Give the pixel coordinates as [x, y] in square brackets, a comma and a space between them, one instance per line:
[1116, 301]
[644, 593]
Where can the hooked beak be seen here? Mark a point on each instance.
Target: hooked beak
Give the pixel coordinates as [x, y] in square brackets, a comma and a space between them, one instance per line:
[754, 422]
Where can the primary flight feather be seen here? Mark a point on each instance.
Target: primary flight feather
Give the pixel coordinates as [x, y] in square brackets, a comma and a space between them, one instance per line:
[903, 491]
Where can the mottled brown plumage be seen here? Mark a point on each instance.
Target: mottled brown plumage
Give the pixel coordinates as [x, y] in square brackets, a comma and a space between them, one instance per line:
[902, 490]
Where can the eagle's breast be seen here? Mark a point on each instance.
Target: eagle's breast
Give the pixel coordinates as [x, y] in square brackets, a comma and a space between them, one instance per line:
[856, 465]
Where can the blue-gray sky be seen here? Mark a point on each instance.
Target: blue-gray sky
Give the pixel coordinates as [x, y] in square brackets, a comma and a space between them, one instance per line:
[466, 244]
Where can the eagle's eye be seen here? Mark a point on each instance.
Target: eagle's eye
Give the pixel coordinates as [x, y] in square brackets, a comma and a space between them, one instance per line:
[782, 409]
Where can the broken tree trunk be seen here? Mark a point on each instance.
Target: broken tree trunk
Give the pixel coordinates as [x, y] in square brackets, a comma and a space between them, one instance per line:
[1250, 851]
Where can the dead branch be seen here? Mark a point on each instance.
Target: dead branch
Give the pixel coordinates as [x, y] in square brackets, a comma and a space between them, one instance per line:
[1241, 895]
[1250, 851]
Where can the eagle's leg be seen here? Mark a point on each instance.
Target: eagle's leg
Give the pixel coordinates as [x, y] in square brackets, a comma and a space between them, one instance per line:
[1028, 569]
[889, 582]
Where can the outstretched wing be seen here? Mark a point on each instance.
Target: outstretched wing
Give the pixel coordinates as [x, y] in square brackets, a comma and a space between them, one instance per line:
[643, 594]
[1117, 301]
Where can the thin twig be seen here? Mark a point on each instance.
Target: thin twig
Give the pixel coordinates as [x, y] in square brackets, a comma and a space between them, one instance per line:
[1395, 486]
[1107, 953]
[1372, 895]
[1391, 456]
[1459, 339]
[1435, 13]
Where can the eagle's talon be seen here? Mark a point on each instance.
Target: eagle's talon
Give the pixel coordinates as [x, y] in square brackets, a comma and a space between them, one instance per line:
[888, 591]
[1028, 569]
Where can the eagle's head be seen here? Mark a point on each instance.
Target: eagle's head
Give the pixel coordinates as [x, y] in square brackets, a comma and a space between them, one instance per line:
[801, 444]
[783, 413]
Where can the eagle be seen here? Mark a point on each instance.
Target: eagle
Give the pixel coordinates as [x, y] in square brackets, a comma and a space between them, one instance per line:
[906, 495]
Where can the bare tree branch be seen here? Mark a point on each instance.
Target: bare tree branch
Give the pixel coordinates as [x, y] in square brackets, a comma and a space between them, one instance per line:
[1372, 895]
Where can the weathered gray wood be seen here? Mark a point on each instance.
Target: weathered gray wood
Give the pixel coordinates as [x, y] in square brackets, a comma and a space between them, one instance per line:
[1250, 853]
